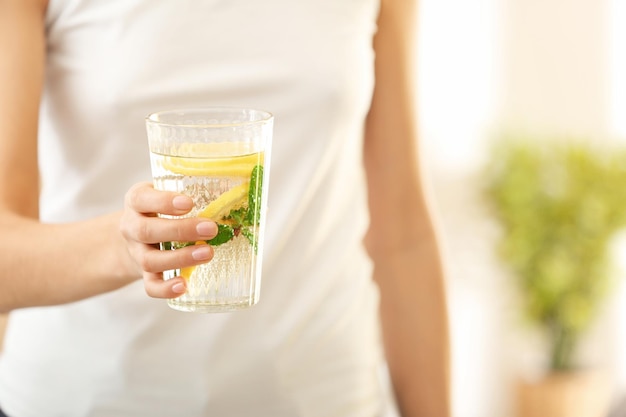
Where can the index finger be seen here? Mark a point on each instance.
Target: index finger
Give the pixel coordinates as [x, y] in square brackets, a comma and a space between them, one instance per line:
[144, 198]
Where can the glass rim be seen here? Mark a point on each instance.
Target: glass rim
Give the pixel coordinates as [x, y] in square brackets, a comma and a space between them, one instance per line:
[266, 116]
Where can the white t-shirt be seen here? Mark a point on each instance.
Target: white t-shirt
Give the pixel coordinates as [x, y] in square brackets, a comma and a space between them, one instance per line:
[311, 346]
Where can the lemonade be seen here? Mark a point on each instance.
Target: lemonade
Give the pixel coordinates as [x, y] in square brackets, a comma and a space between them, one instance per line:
[220, 157]
[227, 190]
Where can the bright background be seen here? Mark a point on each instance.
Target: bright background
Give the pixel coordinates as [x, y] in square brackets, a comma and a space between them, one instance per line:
[540, 66]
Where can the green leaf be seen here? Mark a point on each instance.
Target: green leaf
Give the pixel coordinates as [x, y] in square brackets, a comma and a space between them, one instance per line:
[253, 216]
[224, 234]
[237, 216]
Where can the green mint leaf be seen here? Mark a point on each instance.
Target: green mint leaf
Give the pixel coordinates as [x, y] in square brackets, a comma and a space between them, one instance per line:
[224, 234]
[253, 216]
[237, 216]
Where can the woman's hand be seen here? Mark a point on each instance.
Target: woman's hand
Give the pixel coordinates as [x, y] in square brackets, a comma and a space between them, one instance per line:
[144, 230]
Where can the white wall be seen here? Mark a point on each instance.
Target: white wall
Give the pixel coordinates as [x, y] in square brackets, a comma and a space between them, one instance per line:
[458, 72]
[617, 54]
[556, 66]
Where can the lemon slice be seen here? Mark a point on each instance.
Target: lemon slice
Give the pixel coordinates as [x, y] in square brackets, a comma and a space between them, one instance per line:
[222, 205]
[239, 166]
[187, 271]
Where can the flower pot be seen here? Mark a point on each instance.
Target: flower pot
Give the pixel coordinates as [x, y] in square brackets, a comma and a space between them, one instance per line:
[566, 394]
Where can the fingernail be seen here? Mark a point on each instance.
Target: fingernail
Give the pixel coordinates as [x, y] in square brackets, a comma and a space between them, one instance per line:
[202, 253]
[178, 288]
[206, 229]
[182, 202]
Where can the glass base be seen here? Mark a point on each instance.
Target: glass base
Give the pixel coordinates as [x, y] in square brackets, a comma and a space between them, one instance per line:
[199, 307]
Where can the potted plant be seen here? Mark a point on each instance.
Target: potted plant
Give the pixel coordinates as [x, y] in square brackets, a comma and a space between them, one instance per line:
[559, 205]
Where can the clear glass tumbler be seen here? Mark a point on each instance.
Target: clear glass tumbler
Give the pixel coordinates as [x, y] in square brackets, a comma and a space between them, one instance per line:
[220, 158]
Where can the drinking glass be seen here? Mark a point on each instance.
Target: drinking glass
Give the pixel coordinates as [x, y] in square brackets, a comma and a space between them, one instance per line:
[220, 158]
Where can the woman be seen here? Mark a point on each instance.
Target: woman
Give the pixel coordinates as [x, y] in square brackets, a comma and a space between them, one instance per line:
[78, 76]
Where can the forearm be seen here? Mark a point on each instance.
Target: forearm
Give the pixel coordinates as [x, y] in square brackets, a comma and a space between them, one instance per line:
[46, 264]
[415, 327]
